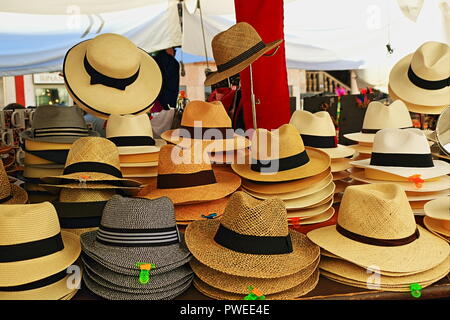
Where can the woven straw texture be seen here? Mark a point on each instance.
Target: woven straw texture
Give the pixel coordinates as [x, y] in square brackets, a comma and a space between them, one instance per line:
[19, 196]
[300, 290]
[249, 216]
[381, 211]
[85, 195]
[192, 212]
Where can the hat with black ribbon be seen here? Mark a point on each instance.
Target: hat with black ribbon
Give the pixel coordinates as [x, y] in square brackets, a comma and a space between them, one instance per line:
[110, 75]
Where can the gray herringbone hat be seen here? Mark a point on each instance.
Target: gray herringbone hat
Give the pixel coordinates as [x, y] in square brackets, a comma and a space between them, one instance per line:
[135, 230]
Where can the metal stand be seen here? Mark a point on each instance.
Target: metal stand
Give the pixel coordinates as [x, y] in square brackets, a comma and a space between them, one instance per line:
[252, 98]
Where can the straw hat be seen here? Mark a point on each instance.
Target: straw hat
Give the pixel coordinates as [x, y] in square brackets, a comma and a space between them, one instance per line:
[110, 75]
[420, 196]
[376, 227]
[57, 124]
[280, 155]
[340, 164]
[403, 152]
[132, 134]
[340, 175]
[33, 248]
[43, 170]
[379, 116]
[253, 237]
[186, 176]
[312, 199]
[139, 158]
[139, 172]
[235, 49]
[208, 125]
[310, 212]
[10, 193]
[437, 217]
[90, 160]
[198, 211]
[317, 130]
[42, 152]
[422, 79]
[116, 243]
[315, 219]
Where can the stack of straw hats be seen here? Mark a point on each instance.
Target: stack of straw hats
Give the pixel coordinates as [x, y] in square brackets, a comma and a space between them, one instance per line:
[251, 250]
[35, 253]
[10, 193]
[437, 217]
[91, 176]
[403, 156]
[47, 143]
[421, 79]
[282, 167]
[138, 151]
[317, 130]
[206, 125]
[186, 177]
[137, 253]
[376, 243]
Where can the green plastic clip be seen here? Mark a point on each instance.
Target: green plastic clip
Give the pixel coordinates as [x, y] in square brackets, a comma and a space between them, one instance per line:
[254, 294]
[416, 290]
[144, 274]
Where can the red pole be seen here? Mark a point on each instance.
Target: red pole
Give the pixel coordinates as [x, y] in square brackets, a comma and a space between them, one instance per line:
[20, 90]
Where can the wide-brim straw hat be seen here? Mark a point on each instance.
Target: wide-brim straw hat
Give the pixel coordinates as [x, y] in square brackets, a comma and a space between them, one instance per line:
[139, 158]
[438, 208]
[340, 175]
[300, 290]
[10, 193]
[291, 161]
[441, 227]
[313, 220]
[421, 196]
[340, 164]
[248, 216]
[198, 211]
[89, 66]
[239, 285]
[55, 189]
[377, 227]
[312, 199]
[235, 49]
[312, 211]
[25, 225]
[421, 79]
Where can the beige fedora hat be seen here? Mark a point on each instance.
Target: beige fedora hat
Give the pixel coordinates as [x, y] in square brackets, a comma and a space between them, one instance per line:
[132, 134]
[110, 75]
[35, 252]
[317, 130]
[422, 79]
[379, 116]
[376, 226]
[280, 155]
[251, 234]
[206, 124]
[235, 49]
[186, 176]
[10, 193]
[403, 152]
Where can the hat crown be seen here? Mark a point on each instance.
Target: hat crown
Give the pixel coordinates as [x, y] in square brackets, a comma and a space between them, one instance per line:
[247, 215]
[138, 213]
[314, 124]
[232, 42]
[409, 141]
[431, 61]
[173, 160]
[93, 149]
[21, 223]
[380, 116]
[128, 125]
[85, 195]
[276, 144]
[211, 115]
[113, 55]
[5, 186]
[58, 116]
[380, 211]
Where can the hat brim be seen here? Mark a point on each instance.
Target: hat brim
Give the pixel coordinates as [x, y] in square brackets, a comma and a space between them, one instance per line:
[28, 135]
[192, 212]
[437, 234]
[18, 195]
[301, 289]
[229, 157]
[361, 149]
[438, 208]
[226, 184]
[310, 200]
[340, 165]
[322, 217]
[38, 172]
[102, 100]
[360, 137]
[310, 212]
[340, 175]
[421, 196]
[142, 149]
[440, 168]
[319, 161]
[139, 158]
[22, 272]
[199, 237]
[424, 253]
[440, 184]
[139, 164]
[406, 91]
[340, 151]
[272, 188]
[239, 285]
[437, 226]
[218, 76]
[97, 185]
[89, 177]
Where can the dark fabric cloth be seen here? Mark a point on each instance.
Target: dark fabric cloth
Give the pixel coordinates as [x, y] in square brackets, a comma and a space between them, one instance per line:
[170, 70]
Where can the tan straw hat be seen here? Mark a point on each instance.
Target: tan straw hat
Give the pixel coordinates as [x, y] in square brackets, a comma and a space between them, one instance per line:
[317, 130]
[139, 158]
[403, 152]
[379, 116]
[35, 252]
[306, 213]
[110, 75]
[251, 239]
[376, 226]
[10, 193]
[208, 125]
[312, 200]
[235, 49]
[186, 176]
[437, 218]
[340, 164]
[280, 155]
